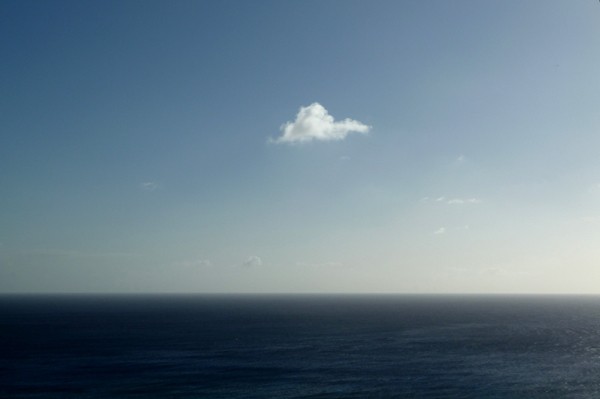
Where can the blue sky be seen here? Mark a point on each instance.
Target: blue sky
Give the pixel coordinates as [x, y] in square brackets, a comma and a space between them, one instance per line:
[143, 146]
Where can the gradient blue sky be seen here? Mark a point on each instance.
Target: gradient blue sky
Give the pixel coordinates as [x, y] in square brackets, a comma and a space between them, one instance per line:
[139, 146]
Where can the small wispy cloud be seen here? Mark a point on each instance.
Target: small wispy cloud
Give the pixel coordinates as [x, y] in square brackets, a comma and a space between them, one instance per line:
[499, 271]
[149, 185]
[462, 229]
[461, 159]
[315, 123]
[594, 189]
[453, 201]
[252, 261]
[462, 201]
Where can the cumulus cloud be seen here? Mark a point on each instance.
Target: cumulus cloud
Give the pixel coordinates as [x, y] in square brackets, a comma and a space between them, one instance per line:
[315, 123]
[149, 186]
[252, 261]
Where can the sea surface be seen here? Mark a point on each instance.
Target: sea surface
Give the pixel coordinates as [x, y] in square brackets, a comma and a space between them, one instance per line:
[299, 346]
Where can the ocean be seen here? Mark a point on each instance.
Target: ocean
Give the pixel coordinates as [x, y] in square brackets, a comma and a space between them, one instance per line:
[299, 346]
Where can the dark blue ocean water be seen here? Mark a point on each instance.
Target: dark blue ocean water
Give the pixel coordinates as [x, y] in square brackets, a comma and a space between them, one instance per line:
[299, 347]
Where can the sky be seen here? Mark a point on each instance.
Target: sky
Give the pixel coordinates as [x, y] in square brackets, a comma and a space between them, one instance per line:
[300, 146]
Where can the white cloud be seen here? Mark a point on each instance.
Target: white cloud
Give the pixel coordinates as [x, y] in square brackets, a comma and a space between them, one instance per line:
[149, 186]
[439, 231]
[253, 261]
[461, 158]
[315, 123]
